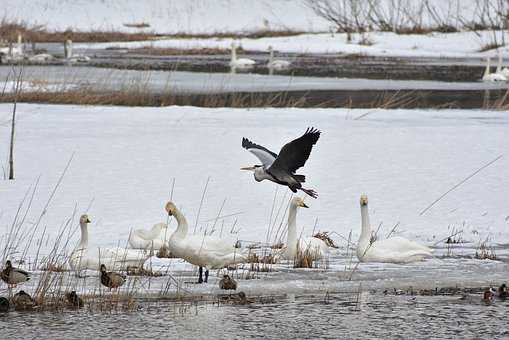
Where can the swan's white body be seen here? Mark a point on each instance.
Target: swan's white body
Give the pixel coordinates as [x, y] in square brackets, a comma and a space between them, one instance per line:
[277, 64]
[492, 77]
[117, 258]
[203, 251]
[79, 58]
[149, 239]
[240, 63]
[393, 250]
[41, 58]
[311, 247]
[504, 71]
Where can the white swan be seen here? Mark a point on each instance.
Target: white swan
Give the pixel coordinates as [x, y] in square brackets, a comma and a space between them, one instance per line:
[311, 247]
[277, 64]
[240, 63]
[78, 58]
[149, 239]
[41, 58]
[504, 71]
[395, 249]
[118, 258]
[202, 251]
[492, 77]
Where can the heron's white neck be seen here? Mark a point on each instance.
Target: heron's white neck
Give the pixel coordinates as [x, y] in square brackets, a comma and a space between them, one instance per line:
[182, 227]
[291, 242]
[365, 229]
[487, 71]
[234, 53]
[84, 235]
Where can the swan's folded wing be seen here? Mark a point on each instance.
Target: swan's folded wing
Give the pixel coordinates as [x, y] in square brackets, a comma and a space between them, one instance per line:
[401, 244]
[122, 254]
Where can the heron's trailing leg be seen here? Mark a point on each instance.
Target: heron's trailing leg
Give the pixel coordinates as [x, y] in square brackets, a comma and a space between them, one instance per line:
[310, 192]
[206, 276]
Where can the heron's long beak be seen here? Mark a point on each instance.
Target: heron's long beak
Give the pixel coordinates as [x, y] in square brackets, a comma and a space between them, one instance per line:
[248, 168]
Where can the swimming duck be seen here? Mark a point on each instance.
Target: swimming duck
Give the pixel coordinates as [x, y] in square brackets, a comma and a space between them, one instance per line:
[503, 293]
[4, 304]
[111, 279]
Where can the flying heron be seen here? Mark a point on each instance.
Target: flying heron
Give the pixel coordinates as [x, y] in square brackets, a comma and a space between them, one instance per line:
[281, 168]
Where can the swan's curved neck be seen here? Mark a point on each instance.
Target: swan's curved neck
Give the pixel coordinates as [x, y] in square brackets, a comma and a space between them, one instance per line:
[291, 242]
[234, 53]
[499, 65]
[84, 236]
[182, 224]
[366, 227]
[487, 71]
[271, 56]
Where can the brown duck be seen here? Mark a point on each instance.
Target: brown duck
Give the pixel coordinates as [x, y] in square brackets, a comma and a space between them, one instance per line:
[23, 301]
[73, 300]
[12, 276]
[227, 283]
[111, 279]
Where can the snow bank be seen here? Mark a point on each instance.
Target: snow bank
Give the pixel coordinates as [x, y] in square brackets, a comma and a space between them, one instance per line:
[384, 44]
[126, 158]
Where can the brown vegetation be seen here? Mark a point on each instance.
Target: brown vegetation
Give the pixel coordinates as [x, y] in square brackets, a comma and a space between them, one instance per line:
[9, 31]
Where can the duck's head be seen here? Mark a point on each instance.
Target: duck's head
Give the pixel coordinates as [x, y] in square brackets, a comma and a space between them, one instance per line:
[103, 268]
[8, 264]
[171, 208]
[299, 202]
[364, 200]
[84, 219]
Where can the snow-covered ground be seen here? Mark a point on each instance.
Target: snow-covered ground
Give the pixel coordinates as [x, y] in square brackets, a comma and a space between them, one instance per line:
[219, 16]
[382, 44]
[166, 16]
[126, 158]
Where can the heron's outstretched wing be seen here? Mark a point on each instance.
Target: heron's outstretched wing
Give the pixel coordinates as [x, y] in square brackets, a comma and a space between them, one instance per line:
[295, 154]
[266, 156]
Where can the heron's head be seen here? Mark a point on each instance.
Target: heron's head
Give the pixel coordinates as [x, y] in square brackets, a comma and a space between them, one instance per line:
[84, 219]
[170, 208]
[364, 200]
[299, 202]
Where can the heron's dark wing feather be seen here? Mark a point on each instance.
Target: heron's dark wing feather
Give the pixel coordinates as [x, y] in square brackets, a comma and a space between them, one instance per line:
[295, 154]
[266, 156]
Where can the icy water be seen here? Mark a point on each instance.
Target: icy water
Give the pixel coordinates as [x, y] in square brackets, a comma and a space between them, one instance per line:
[332, 316]
[309, 65]
[194, 88]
